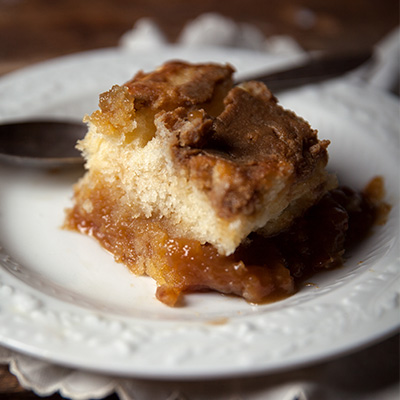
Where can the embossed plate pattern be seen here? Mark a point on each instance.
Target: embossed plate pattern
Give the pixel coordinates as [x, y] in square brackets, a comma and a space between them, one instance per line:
[64, 299]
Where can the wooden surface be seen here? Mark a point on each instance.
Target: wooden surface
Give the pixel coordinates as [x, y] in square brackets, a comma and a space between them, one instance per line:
[36, 30]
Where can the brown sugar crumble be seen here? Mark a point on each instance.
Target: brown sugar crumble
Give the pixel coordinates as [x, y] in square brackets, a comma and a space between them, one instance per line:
[206, 186]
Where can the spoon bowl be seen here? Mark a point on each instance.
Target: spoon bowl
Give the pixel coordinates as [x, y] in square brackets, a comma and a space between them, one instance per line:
[41, 143]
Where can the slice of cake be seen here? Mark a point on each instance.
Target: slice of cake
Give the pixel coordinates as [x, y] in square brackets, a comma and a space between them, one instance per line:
[184, 170]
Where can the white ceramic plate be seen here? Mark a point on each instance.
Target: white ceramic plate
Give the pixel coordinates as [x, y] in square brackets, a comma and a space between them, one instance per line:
[64, 299]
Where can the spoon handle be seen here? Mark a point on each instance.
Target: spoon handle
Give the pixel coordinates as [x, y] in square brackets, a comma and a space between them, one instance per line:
[313, 70]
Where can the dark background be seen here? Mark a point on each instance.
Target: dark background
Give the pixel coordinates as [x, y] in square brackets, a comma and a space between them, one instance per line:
[34, 30]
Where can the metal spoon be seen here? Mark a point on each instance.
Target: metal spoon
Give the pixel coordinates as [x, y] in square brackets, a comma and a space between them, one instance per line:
[41, 143]
[52, 143]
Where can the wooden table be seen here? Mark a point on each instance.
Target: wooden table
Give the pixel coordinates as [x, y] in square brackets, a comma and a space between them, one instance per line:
[36, 30]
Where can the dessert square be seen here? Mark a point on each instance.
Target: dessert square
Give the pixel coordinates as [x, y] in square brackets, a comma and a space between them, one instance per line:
[187, 174]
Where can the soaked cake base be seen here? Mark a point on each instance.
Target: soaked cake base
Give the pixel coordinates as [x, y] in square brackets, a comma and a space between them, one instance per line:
[262, 269]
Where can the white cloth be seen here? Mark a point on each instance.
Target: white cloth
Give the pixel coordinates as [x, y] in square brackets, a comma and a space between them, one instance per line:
[366, 375]
[212, 30]
[384, 73]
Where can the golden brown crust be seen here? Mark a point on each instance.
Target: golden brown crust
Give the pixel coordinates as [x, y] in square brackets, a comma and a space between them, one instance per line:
[128, 111]
[177, 84]
[239, 155]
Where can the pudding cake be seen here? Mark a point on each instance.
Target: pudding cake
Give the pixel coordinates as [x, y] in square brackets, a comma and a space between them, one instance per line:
[191, 180]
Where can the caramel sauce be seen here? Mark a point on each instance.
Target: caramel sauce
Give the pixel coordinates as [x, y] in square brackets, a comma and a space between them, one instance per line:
[191, 266]
[261, 269]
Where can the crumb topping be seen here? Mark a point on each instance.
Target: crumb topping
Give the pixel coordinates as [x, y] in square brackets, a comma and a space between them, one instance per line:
[241, 153]
[235, 143]
[177, 84]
